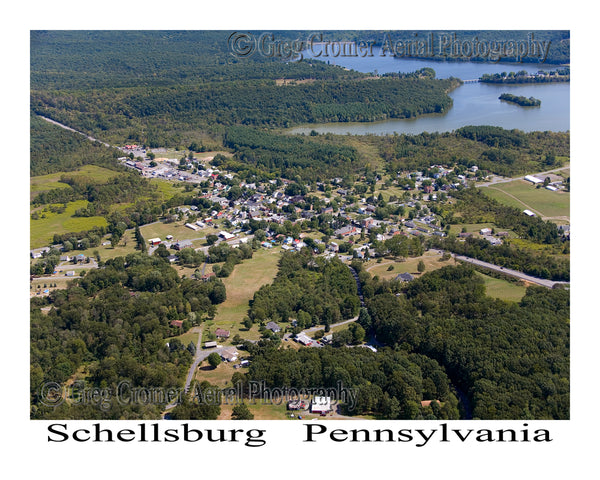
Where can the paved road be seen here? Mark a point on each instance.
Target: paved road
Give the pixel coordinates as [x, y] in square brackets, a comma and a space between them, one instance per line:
[310, 330]
[197, 359]
[73, 130]
[508, 271]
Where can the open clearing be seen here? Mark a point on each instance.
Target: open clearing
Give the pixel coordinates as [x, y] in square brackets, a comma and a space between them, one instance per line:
[522, 194]
[186, 338]
[177, 229]
[496, 288]
[52, 180]
[503, 289]
[43, 230]
[244, 281]
[431, 259]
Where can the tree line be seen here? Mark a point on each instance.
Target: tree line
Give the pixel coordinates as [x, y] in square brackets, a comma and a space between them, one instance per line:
[306, 158]
[474, 206]
[492, 149]
[310, 290]
[541, 265]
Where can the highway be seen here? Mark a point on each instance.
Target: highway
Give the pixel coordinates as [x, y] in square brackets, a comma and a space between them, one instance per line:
[508, 271]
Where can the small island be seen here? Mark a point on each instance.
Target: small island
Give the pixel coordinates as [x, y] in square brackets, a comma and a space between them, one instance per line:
[522, 101]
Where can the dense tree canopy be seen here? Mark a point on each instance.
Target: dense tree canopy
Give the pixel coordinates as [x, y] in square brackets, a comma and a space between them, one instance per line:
[114, 323]
[309, 290]
[511, 360]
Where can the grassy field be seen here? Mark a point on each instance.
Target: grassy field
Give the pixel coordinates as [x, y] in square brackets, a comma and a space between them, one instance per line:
[220, 376]
[42, 230]
[187, 337]
[260, 410]
[522, 194]
[51, 181]
[245, 279]
[177, 229]
[37, 285]
[431, 259]
[503, 289]
[496, 288]
[166, 189]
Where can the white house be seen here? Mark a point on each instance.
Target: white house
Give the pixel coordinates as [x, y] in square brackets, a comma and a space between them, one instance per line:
[321, 405]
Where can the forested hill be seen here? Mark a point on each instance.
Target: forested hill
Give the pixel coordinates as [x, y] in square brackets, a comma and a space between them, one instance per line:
[163, 113]
[54, 149]
[108, 59]
[92, 59]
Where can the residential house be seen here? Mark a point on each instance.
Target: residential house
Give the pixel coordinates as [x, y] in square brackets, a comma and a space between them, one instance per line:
[38, 252]
[181, 244]
[207, 276]
[273, 327]
[346, 231]
[221, 333]
[229, 355]
[304, 339]
[368, 222]
[404, 277]
[493, 240]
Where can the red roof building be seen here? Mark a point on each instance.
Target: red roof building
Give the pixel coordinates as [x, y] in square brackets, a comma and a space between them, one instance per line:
[220, 333]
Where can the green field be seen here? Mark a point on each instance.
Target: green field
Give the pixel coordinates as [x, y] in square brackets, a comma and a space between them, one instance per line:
[431, 260]
[245, 279]
[92, 172]
[51, 181]
[503, 289]
[177, 229]
[166, 189]
[42, 230]
[523, 195]
[186, 338]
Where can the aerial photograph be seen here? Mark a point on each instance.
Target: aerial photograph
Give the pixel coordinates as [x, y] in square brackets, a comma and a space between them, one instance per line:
[311, 225]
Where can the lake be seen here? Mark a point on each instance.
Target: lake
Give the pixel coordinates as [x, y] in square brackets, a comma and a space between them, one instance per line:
[473, 103]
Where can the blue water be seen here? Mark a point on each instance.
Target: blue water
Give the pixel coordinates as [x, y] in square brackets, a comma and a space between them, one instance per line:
[474, 103]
